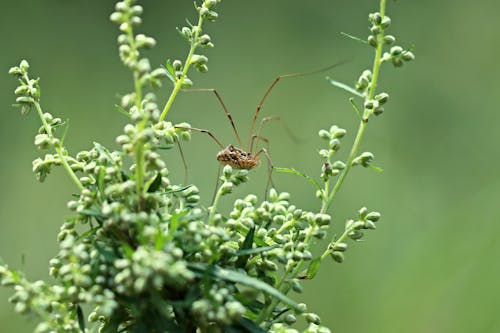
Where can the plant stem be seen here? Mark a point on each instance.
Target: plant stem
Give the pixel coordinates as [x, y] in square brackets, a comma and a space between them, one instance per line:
[213, 209]
[364, 120]
[59, 148]
[185, 69]
[332, 245]
[139, 149]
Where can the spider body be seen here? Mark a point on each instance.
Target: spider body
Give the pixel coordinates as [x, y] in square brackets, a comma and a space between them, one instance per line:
[237, 158]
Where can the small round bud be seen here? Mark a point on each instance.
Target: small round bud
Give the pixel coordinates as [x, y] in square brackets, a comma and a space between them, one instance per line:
[177, 65]
[324, 134]
[137, 10]
[341, 247]
[382, 98]
[375, 30]
[312, 318]
[372, 40]
[290, 319]
[373, 216]
[337, 256]
[389, 39]
[396, 50]
[186, 83]
[375, 18]
[116, 17]
[386, 22]
[301, 307]
[24, 65]
[408, 56]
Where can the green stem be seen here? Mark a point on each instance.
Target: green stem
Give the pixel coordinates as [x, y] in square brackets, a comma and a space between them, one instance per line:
[187, 64]
[211, 216]
[364, 120]
[59, 148]
[139, 149]
[135, 53]
[332, 245]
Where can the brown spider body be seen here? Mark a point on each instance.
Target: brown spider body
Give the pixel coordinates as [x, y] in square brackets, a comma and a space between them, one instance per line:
[237, 158]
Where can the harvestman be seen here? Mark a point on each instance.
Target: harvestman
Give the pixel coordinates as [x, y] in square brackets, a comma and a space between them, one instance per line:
[237, 157]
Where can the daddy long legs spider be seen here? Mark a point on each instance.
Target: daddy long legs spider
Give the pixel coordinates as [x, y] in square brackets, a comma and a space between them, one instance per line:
[237, 156]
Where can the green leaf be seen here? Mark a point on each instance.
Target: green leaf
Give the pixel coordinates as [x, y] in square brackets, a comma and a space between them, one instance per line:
[345, 87]
[180, 189]
[237, 277]
[174, 223]
[301, 174]
[170, 71]
[313, 268]
[255, 250]
[246, 325]
[66, 128]
[154, 184]
[246, 245]
[91, 212]
[354, 38]
[355, 107]
[122, 111]
[81, 320]
[165, 147]
[375, 168]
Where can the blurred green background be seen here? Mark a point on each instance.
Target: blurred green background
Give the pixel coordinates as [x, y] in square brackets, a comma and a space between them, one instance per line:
[432, 265]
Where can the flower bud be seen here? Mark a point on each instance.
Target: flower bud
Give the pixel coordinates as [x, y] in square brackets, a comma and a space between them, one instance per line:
[24, 65]
[373, 216]
[337, 256]
[408, 56]
[386, 22]
[382, 98]
[389, 39]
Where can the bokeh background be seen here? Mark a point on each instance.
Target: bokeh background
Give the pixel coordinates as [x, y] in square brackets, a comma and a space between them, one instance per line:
[433, 264]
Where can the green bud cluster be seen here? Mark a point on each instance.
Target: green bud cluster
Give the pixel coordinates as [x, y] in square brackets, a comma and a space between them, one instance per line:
[333, 137]
[28, 91]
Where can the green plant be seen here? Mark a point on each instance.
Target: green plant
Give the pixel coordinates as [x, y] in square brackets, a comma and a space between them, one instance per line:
[144, 255]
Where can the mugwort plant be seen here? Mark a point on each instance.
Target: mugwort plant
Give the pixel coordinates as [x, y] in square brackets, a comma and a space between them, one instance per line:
[141, 254]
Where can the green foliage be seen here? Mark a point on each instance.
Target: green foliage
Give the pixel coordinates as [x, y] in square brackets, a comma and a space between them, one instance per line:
[145, 255]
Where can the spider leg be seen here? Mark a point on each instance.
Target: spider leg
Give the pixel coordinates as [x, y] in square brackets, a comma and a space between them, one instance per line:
[270, 170]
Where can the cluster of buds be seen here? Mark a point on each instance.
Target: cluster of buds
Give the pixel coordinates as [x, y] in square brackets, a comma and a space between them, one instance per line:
[232, 177]
[397, 54]
[333, 137]
[353, 229]
[28, 92]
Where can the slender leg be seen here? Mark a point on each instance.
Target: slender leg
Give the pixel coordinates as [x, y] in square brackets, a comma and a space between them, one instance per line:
[202, 131]
[270, 169]
[216, 184]
[256, 139]
[275, 82]
[183, 162]
[228, 115]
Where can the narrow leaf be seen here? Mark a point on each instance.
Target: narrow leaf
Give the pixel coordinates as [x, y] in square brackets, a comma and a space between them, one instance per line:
[344, 87]
[250, 326]
[354, 38]
[170, 71]
[256, 250]
[81, 320]
[154, 184]
[355, 107]
[375, 168]
[122, 111]
[313, 268]
[237, 277]
[301, 174]
[246, 245]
